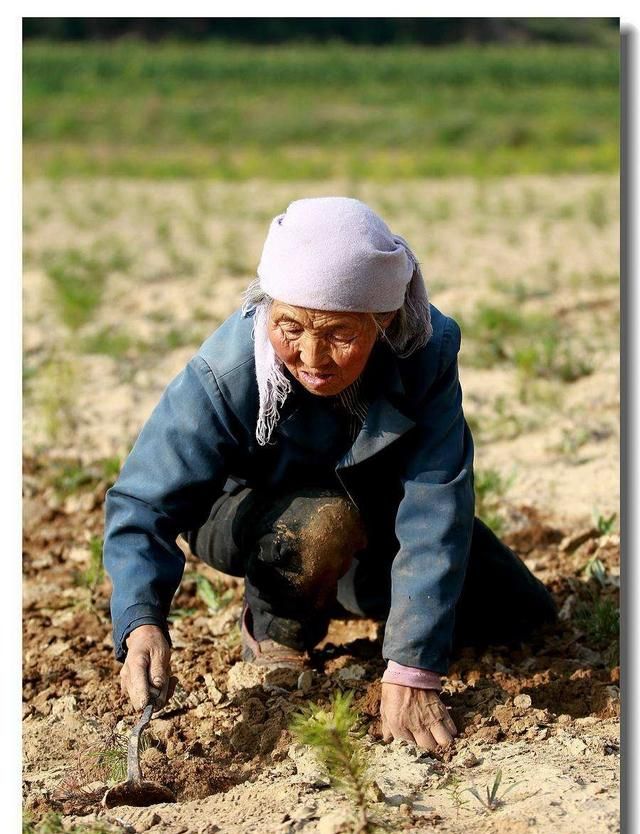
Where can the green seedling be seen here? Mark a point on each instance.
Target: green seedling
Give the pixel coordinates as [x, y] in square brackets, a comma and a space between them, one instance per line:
[70, 477]
[213, 597]
[94, 574]
[599, 618]
[108, 342]
[52, 823]
[54, 391]
[452, 784]
[604, 525]
[79, 278]
[180, 613]
[331, 733]
[595, 569]
[492, 801]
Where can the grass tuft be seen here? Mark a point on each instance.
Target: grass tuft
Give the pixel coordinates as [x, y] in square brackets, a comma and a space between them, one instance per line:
[79, 276]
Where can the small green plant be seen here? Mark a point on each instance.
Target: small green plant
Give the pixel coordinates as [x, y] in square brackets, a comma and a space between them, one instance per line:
[94, 574]
[531, 342]
[180, 613]
[108, 342]
[492, 801]
[213, 597]
[452, 784]
[79, 277]
[71, 476]
[54, 391]
[605, 525]
[111, 468]
[599, 618]
[595, 569]
[112, 762]
[331, 733]
[52, 823]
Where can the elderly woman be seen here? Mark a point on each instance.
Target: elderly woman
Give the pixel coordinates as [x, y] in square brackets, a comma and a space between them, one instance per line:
[316, 446]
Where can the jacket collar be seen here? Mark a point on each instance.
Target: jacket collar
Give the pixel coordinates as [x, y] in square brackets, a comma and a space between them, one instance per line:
[313, 423]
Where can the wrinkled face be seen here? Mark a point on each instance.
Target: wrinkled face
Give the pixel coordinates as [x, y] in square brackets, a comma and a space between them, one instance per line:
[324, 351]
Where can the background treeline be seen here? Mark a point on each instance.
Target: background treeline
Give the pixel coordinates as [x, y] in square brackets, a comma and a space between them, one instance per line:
[376, 31]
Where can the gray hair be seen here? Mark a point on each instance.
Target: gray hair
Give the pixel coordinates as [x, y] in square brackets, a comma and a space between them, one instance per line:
[404, 335]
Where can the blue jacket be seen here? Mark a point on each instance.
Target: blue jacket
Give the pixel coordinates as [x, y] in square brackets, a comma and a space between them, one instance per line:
[409, 471]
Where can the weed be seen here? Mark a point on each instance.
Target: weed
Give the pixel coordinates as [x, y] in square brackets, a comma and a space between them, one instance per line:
[181, 337]
[109, 342]
[332, 736]
[595, 569]
[452, 784]
[213, 597]
[79, 277]
[531, 342]
[604, 525]
[94, 574]
[159, 316]
[599, 618]
[52, 823]
[55, 396]
[572, 440]
[179, 613]
[69, 477]
[111, 468]
[492, 800]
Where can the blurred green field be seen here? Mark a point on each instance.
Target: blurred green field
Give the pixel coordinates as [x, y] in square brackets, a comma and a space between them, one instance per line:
[311, 112]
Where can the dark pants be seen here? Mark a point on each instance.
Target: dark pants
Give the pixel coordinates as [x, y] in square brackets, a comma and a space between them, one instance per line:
[305, 560]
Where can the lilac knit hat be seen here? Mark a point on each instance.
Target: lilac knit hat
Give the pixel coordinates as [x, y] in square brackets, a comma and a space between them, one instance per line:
[329, 253]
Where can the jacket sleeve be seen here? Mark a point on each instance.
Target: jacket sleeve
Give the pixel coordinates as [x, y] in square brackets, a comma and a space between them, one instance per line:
[434, 523]
[167, 485]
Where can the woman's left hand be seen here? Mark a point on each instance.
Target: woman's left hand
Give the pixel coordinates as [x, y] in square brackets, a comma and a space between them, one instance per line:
[417, 715]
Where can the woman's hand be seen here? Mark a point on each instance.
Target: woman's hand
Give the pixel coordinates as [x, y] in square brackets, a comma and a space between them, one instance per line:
[417, 715]
[148, 663]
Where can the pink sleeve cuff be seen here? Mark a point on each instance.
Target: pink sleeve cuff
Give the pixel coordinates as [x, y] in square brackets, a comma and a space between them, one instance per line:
[411, 676]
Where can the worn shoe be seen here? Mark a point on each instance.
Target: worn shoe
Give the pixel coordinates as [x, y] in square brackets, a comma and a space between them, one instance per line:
[268, 652]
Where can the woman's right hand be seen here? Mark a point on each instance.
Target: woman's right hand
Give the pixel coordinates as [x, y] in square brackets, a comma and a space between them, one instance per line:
[148, 663]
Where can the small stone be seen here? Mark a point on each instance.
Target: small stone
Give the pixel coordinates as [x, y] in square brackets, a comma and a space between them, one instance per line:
[577, 746]
[470, 760]
[304, 812]
[376, 793]
[405, 809]
[212, 690]
[488, 734]
[146, 820]
[543, 735]
[204, 710]
[564, 719]
[244, 676]
[282, 678]
[305, 681]
[355, 672]
[64, 705]
[522, 702]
